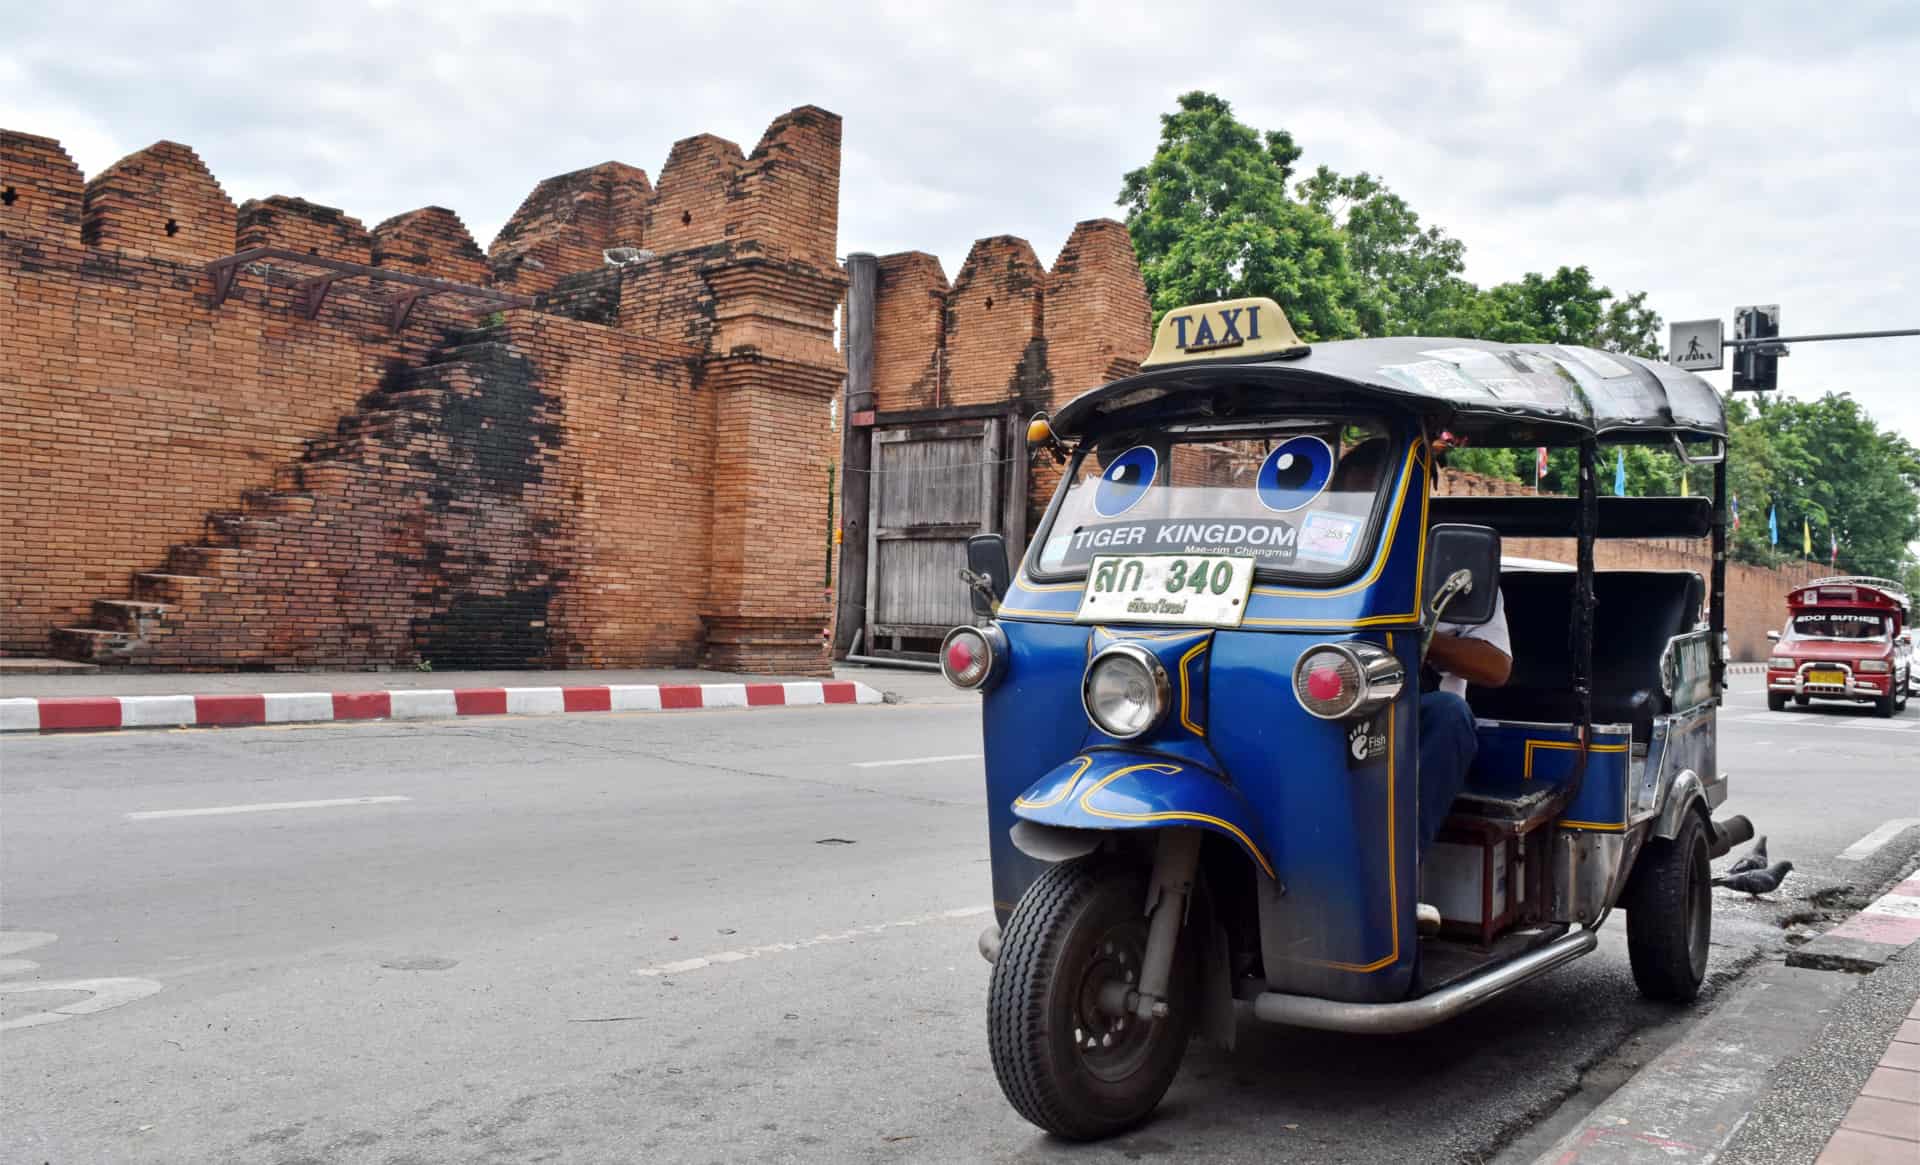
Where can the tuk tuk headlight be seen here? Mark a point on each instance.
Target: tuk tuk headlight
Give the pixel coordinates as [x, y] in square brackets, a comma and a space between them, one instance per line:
[972, 657]
[1126, 691]
[1337, 681]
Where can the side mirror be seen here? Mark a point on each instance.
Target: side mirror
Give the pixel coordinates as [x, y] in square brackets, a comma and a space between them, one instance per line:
[987, 572]
[1773, 637]
[1463, 573]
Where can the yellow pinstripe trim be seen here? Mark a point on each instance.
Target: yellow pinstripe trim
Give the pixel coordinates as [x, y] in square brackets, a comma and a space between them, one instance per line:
[1526, 760]
[1027, 584]
[1171, 815]
[1186, 720]
[1086, 762]
[1601, 826]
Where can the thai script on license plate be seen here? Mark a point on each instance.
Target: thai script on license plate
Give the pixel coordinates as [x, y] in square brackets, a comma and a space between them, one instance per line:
[1196, 590]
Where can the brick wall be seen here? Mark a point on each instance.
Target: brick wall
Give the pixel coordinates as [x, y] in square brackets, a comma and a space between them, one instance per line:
[190, 485]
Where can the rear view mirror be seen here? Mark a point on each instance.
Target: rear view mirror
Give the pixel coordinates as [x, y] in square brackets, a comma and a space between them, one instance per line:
[987, 572]
[1463, 572]
[1773, 636]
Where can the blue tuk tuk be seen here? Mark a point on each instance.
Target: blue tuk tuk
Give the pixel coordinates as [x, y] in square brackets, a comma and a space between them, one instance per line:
[1200, 691]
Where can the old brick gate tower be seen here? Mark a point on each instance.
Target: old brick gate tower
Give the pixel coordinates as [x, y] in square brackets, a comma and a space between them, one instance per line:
[266, 437]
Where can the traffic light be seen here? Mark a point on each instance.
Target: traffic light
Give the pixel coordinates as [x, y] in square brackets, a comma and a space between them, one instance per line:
[1756, 367]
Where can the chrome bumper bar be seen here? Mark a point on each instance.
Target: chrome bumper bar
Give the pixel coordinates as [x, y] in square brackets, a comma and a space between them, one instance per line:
[1414, 1014]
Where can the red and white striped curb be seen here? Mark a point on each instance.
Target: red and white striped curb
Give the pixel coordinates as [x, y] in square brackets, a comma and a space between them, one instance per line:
[1892, 920]
[94, 713]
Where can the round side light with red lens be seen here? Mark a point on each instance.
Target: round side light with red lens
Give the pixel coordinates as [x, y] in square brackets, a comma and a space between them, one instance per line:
[970, 656]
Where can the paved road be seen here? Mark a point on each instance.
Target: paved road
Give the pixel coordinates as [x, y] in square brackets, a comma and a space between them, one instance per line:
[453, 972]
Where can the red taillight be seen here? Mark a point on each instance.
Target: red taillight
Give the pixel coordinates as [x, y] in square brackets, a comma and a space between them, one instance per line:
[967, 657]
[1323, 683]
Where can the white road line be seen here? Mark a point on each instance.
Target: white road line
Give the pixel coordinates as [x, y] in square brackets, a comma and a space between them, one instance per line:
[685, 965]
[102, 994]
[915, 760]
[261, 807]
[1863, 848]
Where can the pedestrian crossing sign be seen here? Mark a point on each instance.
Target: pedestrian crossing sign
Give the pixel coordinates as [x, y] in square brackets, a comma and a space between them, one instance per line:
[1695, 346]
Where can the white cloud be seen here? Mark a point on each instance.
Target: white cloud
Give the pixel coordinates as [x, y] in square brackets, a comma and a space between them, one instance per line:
[1709, 153]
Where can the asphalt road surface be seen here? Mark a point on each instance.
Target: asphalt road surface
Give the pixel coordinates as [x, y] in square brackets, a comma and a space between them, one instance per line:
[718, 936]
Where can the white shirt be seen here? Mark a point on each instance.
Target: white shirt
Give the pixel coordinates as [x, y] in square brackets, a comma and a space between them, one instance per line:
[1493, 632]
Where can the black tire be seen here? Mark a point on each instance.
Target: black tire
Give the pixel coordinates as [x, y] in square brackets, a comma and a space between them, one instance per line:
[1801, 701]
[1776, 701]
[1886, 706]
[1670, 919]
[1080, 925]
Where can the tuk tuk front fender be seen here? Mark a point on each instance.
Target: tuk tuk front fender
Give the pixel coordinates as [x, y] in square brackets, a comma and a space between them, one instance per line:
[1108, 790]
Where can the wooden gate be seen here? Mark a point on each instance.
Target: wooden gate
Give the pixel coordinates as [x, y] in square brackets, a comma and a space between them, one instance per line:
[934, 486]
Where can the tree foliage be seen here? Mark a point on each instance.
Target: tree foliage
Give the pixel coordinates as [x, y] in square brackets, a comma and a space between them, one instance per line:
[1211, 219]
[1216, 215]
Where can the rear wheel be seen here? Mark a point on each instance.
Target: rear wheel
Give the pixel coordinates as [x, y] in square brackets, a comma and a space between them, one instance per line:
[1776, 701]
[1670, 918]
[1064, 1063]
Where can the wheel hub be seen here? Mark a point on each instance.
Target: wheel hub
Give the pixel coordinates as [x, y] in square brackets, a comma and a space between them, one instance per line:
[1110, 1042]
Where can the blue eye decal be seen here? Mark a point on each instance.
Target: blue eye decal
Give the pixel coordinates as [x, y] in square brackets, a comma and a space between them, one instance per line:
[1125, 481]
[1294, 474]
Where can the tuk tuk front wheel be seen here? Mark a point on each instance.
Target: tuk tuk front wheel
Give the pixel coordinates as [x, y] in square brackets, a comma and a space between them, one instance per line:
[1670, 917]
[1064, 1063]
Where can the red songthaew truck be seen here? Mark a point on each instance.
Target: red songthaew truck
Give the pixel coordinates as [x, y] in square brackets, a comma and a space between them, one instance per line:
[1846, 639]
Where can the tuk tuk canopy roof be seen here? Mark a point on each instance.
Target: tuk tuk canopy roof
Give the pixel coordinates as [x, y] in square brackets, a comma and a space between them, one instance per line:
[1485, 392]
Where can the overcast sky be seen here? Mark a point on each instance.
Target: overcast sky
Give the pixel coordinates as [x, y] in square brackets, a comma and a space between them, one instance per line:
[1709, 154]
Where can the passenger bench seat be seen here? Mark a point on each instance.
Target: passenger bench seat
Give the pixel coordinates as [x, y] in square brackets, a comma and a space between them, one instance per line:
[1635, 613]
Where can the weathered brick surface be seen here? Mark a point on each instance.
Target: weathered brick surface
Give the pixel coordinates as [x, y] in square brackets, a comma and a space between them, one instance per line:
[909, 331]
[295, 224]
[41, 190]
[431, 241]
[162, 203]
[631, 473]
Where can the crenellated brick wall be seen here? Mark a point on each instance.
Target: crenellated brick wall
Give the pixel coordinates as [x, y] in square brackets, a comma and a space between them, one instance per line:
[189, 484]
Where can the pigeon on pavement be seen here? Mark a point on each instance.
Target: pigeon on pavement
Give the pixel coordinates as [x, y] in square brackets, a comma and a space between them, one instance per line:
[1756, 882]
[1753, 859]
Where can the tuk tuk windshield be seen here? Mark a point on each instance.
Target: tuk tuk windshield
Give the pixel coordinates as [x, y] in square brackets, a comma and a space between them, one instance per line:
[1863, 625]
[1299, 497]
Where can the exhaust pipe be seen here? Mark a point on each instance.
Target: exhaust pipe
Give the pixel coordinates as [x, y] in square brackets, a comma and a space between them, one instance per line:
[1414, 1014]
[1729, 833]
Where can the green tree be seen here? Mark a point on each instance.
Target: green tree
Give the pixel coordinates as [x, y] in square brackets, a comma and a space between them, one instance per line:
[1567, 307]
[1837, 471]
[1211, 219]
[1405, 273]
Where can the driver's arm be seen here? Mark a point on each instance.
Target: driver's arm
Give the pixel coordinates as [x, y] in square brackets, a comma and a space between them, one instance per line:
[1478, 662]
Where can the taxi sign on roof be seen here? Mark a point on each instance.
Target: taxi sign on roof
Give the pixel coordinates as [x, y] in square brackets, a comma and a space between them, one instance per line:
[1235, 329]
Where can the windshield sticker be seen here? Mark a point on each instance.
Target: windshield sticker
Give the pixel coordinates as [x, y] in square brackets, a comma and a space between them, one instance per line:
[1125, 481]
[1269, 543]
[1328, 537]
[1294, 474]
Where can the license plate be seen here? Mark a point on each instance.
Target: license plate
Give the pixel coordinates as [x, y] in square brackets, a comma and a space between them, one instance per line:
[1827, 677]
[1193, 590]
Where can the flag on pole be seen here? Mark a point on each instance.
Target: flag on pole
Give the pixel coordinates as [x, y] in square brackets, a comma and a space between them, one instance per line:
[1773, 526]
[1619, 473]
[1684, 491]
[1736, 511]
[1540, 463]
[1806, 539]
[1833, 548]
